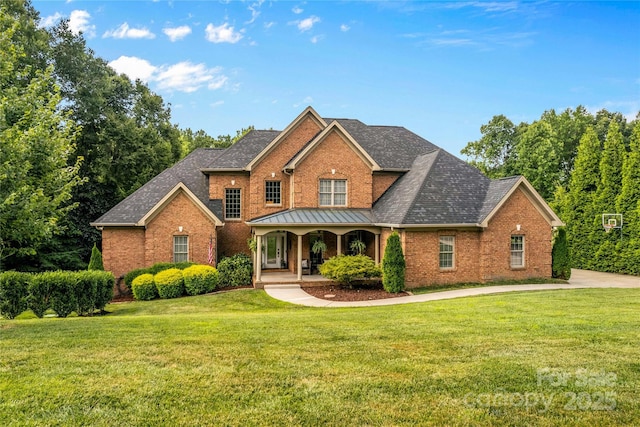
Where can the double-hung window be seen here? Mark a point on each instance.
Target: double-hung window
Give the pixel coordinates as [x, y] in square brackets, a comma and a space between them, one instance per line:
[517, 251]
[447, 245]
[180, 248]
[232, 203]
[272, 193]
[333, 192]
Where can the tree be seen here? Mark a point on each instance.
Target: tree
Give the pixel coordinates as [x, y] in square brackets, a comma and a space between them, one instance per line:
[538, 158]
[580, 209]
[492, 153]
[393, 265]
[628, 204]
[39, 171]
[95, 263]
[561, 264]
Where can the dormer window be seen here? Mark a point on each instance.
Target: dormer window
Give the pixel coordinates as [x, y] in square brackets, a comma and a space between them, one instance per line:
[333, 192]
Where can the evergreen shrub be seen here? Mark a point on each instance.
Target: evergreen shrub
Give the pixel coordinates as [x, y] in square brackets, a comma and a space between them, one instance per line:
[39, 290]
[346, 269]
[200, 279]
[393, 265]
[561, 260]
[95, 263]
[170, 283]
[144, 288]
[13, 293]
[235, 271]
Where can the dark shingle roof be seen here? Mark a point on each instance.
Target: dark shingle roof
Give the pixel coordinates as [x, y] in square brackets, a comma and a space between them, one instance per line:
[139, 203]
[441, 189]
[240, 154]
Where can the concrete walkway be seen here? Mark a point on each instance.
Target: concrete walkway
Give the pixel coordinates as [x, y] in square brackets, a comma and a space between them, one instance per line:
[579, 279]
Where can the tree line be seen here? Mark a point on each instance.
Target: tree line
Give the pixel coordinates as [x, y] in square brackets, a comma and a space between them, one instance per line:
[76, 138]
[585, 165]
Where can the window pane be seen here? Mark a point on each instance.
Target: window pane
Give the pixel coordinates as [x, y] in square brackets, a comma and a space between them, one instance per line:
[339, 200]
[333, 192]
[340, 186]
[325, 199]
[272, 192]
[446, 251]
[232, 203]
[180, 248]
[325, 186]
[517, 251]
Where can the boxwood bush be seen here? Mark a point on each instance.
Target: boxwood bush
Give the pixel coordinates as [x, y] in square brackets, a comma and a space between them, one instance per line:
[154, 269]
[345, 269]
[144, 288]
[39, 290]
[13, 293]
[170, 283]
[63, 296]
[235, 271]
[200, 279]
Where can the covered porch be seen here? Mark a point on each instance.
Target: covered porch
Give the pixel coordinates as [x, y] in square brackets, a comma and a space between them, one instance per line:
[294, 232]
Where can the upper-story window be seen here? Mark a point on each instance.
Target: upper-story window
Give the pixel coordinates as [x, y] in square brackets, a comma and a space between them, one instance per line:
[232, 203]
[517, 251]
[272, 193]
[333, 192]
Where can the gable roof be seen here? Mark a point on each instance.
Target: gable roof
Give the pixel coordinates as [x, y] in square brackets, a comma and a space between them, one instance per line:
[137, 207]
[242, 153]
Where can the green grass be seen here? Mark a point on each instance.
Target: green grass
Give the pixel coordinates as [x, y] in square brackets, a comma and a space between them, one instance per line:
[242, 358]
[454, 286]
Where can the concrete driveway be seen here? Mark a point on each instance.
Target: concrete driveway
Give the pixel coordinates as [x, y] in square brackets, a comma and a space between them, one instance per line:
[579, 279]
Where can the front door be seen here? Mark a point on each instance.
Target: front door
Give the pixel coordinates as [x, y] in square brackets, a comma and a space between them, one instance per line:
[274, 251]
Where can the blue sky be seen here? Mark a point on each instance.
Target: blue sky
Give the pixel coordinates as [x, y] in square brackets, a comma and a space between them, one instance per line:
[440, 69]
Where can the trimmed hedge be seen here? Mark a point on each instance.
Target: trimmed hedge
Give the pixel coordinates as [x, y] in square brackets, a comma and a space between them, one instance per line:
[13, 293]
[200, 279]
[170, 283]
[144, 288]
[235, 271]
[346, 269]
[63, 291]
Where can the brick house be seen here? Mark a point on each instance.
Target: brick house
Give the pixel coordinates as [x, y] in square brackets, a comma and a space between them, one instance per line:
[335, 180]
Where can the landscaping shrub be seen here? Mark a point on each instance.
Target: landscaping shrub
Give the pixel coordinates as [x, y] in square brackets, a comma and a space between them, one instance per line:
[39, 291]
[393, 265]
[13, 293]
[144, 288]
[86, 290]
[95, 263]
[200, 279]
[62, 286]
[154, 269]
[131, 276]
[105, 281]
[235, 271]
[170, 283]
[347, 268]
[561, 264]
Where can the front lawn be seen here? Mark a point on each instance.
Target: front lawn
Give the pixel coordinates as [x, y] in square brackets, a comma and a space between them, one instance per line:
[565, 357]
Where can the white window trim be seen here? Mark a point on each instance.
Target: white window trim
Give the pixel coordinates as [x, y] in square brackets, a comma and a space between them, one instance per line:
[453, 252]
[333, 192]
[181, 253]
[239, 217]
[512, 251]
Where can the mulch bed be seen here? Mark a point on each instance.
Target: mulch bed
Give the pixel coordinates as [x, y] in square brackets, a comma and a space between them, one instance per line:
[338, 293]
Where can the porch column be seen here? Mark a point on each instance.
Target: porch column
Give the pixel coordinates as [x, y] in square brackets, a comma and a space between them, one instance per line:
[299, 264]
[258, 258]
[339, 248]
[376, 246]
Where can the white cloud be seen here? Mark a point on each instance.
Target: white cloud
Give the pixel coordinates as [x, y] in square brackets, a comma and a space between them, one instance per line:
[79, 23]
[307, 24]
[297, 10]
[177, 33]
[183, 76]
[50, 21]
[222, 34]
[268, 25]
[316, 39]
[187, 77]
[135, 68]
[255, 12]
[344, 28]
[126, 32]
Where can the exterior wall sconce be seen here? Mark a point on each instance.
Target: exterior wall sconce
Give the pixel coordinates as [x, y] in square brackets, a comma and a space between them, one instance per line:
[233, 182]
[518, 227]
[273, 174]
[333, 171]
[180, 229]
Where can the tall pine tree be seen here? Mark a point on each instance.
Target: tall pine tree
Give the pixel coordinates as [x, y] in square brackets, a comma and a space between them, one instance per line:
[628, 204]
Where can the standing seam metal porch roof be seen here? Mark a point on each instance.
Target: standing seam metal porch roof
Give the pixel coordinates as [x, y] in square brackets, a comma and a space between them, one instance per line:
[316, 217]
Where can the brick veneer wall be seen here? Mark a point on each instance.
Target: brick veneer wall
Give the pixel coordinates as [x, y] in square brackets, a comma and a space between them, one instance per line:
[381, 183]
[232, 237]
[333, 153]
[122, 249]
